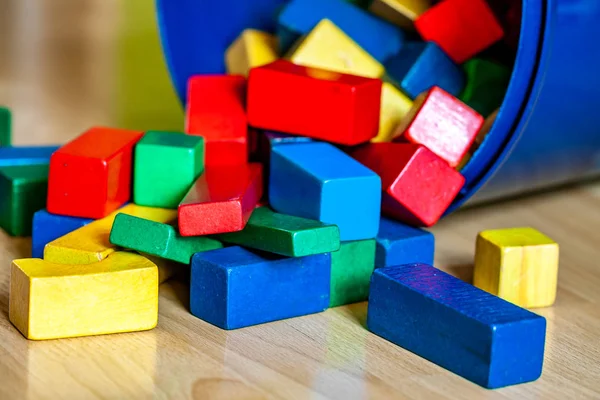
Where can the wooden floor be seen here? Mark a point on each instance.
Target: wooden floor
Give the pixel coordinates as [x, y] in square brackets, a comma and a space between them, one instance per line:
[66, 65]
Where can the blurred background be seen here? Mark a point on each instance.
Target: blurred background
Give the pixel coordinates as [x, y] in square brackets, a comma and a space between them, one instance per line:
[66, 65]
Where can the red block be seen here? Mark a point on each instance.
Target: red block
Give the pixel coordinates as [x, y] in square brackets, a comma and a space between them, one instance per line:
[90, 176]
[462, 28]
[216, 111]
[221, 200]
[313, 102]
[443, 123]
[418, 186]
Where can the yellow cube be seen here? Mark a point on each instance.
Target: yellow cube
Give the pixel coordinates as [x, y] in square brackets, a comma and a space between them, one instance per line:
[51, 301]
[251, 49]
[328, 47]
[90, 244]
[402, 13]
[394, 106]
[519, 265]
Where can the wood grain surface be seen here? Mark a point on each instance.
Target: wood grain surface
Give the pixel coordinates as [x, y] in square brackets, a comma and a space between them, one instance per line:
[58, 73]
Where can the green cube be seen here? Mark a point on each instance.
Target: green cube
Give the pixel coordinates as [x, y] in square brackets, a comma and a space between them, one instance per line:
[487, 82]
[285, 234]
[23, 191]
[166, 165]
[158, 239]
[5, 126]
[351, 269]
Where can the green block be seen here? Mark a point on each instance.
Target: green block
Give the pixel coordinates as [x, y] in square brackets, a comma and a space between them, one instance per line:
[487, 82]
[5, 126]
[351, 269]
[23, 190]
[166, 164]
[157, 239]
[285, 234]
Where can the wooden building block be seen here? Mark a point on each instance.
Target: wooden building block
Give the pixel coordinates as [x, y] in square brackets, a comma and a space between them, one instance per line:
[90, 176]
[418, 186]
[265, 140]
[443, 123]
[216, 111]
[12, 156]
[328, 47]
[419, 66]
[252, 48]
[313, 102]
[351, 269]
[90, 244]
[48, 227]
[234, 287]
[221, 200]
[285, 234]
[379, 38]
[166, 165]
[399, 244]
[519, 265]
[402, 13]
[487, 82]
[394, 107]
[462, 28]
[158, 239]
[23, 190]
[455, 325]
[319, 181]
[52, 301]
[5, 127]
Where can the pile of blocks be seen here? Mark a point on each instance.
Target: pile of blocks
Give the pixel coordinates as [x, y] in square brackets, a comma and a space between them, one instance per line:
[273, 198]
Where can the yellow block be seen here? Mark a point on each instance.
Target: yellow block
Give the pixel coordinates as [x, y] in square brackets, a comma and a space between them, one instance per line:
[519, 265]
[51, 301]
[89, 244]
[394, 106]
[400, 12]
[251, 49]
[328, 47]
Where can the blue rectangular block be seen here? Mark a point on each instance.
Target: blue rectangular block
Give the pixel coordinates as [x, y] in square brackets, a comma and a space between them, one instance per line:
[379, 38]
[470, 332]
[11, 156]
[421, 65]
[399, 244]
[48, 227]
[234, 287]
[319, 181]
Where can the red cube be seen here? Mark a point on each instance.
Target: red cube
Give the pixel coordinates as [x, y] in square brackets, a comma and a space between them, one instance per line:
[418, 186]
[314, 102]
[90, 176]
[216, 110]
[221, 200]
[462, 28]
[443, 123]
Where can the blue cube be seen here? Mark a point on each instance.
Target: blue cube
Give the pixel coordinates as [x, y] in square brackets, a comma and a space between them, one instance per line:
[234, 287]
[378, 37]
[459, 327]
[399, 244]
[11, 156]
[421, 65]
[319, 181]
[48, 227]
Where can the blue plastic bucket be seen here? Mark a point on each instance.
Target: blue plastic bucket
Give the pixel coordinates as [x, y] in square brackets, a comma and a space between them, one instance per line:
[548, 128]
